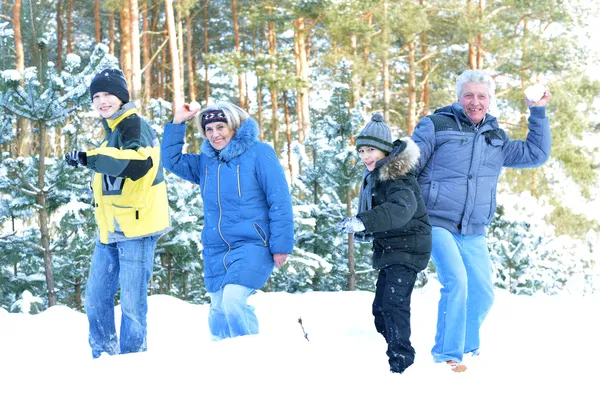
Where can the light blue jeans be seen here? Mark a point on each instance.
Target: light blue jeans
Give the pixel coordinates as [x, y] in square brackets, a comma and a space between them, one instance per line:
[464, 269]
[128, 264]
[230, 315]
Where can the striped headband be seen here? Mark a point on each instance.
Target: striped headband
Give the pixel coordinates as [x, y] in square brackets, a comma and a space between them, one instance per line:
[213, 115]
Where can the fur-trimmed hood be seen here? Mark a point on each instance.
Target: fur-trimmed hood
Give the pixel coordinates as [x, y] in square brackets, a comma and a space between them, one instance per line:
[245, 137]
[401, 161]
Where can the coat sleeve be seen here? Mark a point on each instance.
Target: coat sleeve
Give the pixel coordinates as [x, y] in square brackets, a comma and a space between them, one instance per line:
[131, 160]
[398, 210]
[272, 180]
[186, 166]
[535, 150]
[424, 137]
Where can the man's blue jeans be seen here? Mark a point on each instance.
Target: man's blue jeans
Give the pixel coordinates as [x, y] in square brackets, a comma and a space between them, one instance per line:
[230, 315]
[128, 264]
[464, 269]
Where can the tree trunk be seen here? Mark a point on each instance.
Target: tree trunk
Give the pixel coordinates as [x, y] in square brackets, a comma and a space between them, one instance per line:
[22, 126]
[355, 73]
[78, 293]
[303, 47]
[412, 92]
[43, 215]
[259, 98]
[424, 73]
[146, 53]
[190, 59]
[19, 53]
[126, 57]
[351, 261]
[169, 272]
[174, 56]
[180, 50]
[59, 35]
[70, 28]
[288, 134]
[480, 36]
[97, 21]
[136, 72]
[206, 84]
[273, 89]
[236, 34]
[111, 33]
[385, 65]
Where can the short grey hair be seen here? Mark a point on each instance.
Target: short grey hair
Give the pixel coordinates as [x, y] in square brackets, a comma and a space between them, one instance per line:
[235, 115]
[475, 76]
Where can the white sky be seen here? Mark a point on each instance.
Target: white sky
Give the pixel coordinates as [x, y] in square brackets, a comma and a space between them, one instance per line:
[532, 347]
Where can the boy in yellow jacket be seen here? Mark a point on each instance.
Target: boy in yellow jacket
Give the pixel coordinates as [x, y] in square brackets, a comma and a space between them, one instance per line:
[130, 199]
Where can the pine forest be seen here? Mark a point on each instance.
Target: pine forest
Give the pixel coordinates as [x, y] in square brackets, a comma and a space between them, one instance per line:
[311, 73]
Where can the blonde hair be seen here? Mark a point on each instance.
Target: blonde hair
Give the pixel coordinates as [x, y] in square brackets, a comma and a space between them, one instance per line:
[235, 115]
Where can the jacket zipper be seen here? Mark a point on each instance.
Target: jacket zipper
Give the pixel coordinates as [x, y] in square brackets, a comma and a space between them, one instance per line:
[238, 179]
[205, 179]
[221, 216]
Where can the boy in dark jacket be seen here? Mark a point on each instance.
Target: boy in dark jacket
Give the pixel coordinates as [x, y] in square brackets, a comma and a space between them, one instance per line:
[392, 213]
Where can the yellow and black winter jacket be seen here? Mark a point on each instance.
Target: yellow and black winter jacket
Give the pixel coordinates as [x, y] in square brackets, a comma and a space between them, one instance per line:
[130, 192]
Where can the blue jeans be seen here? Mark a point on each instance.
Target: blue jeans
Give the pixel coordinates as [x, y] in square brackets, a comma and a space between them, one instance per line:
[128, 264]
[464, 269]
[230, 315]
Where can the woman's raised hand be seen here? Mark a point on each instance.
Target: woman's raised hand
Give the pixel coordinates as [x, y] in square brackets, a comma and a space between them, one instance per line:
[186, 112]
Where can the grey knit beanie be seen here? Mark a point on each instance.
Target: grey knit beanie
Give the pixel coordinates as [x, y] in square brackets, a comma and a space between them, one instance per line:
[376, 134]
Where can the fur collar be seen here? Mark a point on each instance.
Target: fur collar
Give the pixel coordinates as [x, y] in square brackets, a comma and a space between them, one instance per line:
[244, 138]
[401, 161]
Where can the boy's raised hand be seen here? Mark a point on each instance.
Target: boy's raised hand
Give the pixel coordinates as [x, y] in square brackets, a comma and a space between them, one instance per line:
[350, 225]
[75, 158]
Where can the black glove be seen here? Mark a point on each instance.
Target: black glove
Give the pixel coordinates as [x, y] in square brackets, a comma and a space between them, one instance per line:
[350, 225]
[75, 158]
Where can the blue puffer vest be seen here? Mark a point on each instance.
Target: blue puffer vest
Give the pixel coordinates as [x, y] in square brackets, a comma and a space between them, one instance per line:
[247, 204]
[460, 164]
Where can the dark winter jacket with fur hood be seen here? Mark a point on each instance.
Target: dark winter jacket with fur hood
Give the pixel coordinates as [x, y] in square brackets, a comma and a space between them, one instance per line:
[398, 220]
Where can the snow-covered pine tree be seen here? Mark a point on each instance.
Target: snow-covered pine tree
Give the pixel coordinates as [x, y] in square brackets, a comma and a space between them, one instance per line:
[321, 193]
[46, 99]
[180, 271]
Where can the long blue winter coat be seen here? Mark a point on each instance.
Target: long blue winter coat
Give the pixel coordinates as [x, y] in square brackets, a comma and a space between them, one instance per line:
[460, 164]
[247, 204]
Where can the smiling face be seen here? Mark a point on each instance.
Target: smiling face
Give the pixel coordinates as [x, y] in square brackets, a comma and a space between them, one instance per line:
[475, 99]
[106, 104]
[218, 134]
[370, 156]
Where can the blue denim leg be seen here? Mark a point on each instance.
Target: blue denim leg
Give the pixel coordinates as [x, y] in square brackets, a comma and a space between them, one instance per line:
[99, 302]
[217, 322]
[480, 296]
[464, 270]
[136, 259]
[230, 315]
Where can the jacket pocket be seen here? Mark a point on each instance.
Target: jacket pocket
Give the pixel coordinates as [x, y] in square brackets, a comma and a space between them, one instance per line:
[434, 189]
[128, 217]
[261, 233]
[493, 152]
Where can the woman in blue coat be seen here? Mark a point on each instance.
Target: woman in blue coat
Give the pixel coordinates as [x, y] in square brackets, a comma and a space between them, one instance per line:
[248, 216]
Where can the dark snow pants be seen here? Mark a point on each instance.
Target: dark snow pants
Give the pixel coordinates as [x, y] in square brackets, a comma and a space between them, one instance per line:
[391, 309]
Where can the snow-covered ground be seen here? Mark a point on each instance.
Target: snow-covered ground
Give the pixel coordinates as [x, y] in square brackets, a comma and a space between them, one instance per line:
[532, 347]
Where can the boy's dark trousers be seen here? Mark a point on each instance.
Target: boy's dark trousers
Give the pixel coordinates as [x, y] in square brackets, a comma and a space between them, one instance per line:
[391, 309]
